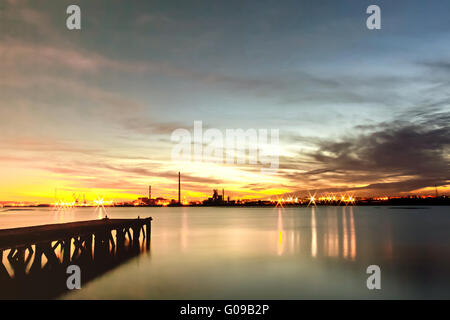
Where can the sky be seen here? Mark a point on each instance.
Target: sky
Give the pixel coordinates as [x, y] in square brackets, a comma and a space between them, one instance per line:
[92, 111]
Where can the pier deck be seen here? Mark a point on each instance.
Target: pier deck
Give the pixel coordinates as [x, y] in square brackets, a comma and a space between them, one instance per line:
[18, 237]
[33, 260]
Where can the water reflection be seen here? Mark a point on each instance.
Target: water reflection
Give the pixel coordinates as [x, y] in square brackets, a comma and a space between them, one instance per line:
[353, 235]
[101, 212]
[293, 253]
[62, 215]
[329, 232]
[313, 233]
[345, 234]
[331, 236]
[280, 233]
[184, 230]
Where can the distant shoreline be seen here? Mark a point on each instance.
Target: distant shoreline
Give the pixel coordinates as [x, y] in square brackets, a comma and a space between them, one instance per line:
[252, 205]
[443, 200]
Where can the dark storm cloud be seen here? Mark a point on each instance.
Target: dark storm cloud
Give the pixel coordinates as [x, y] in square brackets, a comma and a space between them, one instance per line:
[418, 151]
[441, 65]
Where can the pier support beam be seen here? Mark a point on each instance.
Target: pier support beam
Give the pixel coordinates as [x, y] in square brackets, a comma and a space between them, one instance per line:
[148, 232]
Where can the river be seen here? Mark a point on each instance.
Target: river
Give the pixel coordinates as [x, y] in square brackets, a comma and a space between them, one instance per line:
[271, 253]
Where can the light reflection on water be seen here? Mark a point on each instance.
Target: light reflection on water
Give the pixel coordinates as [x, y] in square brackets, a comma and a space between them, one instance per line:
[274, 253]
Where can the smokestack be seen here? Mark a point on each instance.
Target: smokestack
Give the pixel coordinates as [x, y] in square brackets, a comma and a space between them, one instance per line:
[149, 192]
[179, 188]
[223, 194]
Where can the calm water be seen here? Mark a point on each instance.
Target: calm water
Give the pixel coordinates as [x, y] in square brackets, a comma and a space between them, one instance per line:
[271, 253]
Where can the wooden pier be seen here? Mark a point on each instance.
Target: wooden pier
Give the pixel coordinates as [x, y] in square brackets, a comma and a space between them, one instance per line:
[37, 257]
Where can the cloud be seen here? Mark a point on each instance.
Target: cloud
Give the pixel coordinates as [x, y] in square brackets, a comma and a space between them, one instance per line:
[154, 172]
[154, 19]
[399, 156]
[39, 145]
[17, 53]
[146, 126]
[437, 65]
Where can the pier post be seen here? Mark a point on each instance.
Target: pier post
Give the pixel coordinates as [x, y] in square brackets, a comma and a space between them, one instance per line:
[66, 251]
[4, 275]
[120, 239]
[88, 247]
[148, 231]
[136, 236]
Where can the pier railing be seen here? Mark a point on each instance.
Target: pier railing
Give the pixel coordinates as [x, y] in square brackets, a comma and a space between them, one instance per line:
[33, 260]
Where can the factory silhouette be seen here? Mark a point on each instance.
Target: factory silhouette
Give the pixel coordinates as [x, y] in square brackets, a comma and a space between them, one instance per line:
[332, 200]
[216, 199]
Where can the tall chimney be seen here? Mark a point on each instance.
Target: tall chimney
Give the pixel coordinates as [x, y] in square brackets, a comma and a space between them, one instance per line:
[179, 188]
[223, 194]
[149, 192]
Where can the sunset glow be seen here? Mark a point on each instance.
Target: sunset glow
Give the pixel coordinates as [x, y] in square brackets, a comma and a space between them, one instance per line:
[82, 118]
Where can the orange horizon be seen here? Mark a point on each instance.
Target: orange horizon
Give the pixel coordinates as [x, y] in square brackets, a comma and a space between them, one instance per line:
[188, 196]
